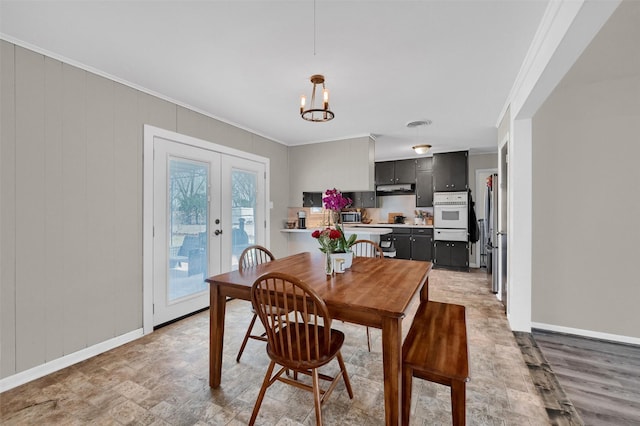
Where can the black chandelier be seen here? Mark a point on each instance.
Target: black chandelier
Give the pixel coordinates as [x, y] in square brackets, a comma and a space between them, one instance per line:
[314, 113]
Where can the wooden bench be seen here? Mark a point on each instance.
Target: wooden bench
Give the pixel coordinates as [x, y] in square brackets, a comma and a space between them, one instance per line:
[436, 350]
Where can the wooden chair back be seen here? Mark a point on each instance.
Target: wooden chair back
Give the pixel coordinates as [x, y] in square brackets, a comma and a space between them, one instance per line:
[254, 255]
[367, 248]
[301, 339]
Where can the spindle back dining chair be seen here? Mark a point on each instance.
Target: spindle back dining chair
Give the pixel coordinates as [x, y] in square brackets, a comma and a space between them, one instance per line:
[302, 341]
[249, 258]
[367, 248]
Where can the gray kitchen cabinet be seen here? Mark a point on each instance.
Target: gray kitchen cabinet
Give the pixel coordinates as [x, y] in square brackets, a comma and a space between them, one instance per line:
[312, 199]
[451, 171]
[424, 164]
[363, 199]
[422, 244]
[385, 173]
[395, 172]
[424, 188]
[411, 243]
[405, 171]
[451, 254]
[402, 242]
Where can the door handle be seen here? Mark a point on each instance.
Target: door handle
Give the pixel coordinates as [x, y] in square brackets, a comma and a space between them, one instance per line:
[217, 232]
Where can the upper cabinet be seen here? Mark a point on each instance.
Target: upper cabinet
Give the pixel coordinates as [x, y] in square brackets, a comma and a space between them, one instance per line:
[385, 173]
[363, 199]
[395, 172]
[424, 183]
[450, 171]
[312, 199]
[424, 164]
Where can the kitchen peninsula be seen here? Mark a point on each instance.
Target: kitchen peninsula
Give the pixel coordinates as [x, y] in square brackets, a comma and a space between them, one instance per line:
[300, 240]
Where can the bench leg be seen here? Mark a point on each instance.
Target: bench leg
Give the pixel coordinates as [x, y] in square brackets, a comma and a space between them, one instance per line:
[458, 402]
[407, 377]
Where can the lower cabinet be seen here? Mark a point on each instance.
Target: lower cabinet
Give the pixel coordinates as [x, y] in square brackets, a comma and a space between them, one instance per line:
[402, 242]
[422, 247]
[453, 254]
[412, 243]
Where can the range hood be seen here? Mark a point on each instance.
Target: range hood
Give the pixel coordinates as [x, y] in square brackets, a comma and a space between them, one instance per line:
[400, 189]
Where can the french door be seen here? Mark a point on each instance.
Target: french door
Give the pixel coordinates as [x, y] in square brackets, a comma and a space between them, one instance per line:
[186, 207]
[207, 207]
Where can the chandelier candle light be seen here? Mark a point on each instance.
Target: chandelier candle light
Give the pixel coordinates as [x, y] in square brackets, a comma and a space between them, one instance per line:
[313, 113]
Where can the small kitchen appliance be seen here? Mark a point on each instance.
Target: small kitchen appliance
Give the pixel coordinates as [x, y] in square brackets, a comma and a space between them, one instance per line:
[351, 217]
[399, 219]
[302, 219]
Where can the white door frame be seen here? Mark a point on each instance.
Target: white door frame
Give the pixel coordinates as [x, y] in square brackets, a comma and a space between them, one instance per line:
[150, 133]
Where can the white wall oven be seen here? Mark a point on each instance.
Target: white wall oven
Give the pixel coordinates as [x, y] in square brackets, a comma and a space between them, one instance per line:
[450, 211]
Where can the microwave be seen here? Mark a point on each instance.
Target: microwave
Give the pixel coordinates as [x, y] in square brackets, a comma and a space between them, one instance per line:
[351, 217]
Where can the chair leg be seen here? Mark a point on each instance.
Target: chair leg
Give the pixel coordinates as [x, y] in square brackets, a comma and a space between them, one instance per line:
[368, 340]
[316, 396]
[263, 390]
[345, 376]
[407, 377]
[458, 402]
[246, 337]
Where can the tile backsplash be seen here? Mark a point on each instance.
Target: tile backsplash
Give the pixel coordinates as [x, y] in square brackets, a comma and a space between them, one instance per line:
[405, 204]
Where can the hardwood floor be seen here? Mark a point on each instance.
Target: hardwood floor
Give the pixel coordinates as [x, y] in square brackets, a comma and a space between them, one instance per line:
[602, 379]
[559, 408]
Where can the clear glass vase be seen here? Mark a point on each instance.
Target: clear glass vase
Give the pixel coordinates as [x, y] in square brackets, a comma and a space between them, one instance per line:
[328, 264]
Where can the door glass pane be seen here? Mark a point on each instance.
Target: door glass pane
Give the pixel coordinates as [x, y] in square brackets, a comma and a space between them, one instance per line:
[188, 224]
[243, 212]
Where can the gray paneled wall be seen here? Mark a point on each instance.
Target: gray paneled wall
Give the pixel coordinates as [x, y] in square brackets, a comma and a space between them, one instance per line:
[346, 164]
[71, 203]
[586, 202]
[7, 210]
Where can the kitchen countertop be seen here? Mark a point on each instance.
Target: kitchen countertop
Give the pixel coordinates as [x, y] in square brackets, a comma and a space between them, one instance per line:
[386, 225]
[372, 229]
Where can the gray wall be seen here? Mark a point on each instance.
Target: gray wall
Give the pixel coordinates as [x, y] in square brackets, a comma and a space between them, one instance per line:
[479, 162]
[347, 164]
[586, 202]
[71, 203]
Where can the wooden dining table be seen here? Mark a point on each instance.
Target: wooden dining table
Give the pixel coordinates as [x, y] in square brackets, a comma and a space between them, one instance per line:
[374, 292]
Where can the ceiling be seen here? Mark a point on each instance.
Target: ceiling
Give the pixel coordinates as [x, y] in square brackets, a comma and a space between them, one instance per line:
[386, 63]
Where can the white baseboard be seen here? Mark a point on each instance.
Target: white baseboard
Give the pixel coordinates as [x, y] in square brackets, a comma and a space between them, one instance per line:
[587, 333]
[67, 360]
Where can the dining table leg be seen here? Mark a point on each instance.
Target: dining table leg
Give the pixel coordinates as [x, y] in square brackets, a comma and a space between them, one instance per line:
[216, 335]
[392, 367]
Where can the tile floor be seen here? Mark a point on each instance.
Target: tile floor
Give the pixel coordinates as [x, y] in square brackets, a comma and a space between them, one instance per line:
[162, 378]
